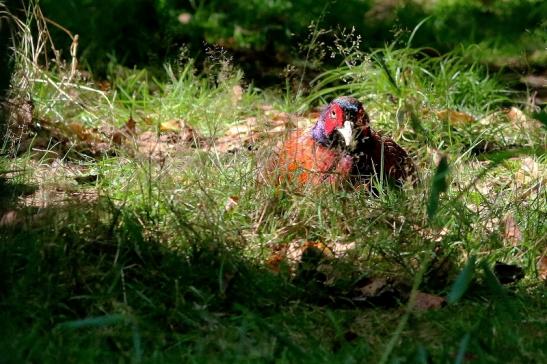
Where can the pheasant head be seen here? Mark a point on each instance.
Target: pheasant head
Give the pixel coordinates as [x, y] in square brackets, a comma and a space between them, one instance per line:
[341, 124]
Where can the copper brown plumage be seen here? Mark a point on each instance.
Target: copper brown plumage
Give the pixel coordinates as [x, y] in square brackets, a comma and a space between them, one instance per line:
[340, 148]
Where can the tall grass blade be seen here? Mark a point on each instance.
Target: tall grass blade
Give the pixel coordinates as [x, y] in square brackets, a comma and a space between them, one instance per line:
[462, 282]
[464, 343]
[386, 70]
[438, 186]
[98, 321]
[490, 279]
[415, 30]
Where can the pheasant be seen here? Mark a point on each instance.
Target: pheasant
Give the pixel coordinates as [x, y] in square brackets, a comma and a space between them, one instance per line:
[340, 148]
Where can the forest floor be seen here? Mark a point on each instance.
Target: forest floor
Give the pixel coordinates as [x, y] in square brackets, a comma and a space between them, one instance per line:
[134, 225]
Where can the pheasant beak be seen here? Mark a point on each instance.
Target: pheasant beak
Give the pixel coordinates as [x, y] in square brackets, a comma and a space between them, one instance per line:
[347, 133]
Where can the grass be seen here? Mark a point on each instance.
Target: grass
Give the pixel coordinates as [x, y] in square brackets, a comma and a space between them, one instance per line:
[146, 264]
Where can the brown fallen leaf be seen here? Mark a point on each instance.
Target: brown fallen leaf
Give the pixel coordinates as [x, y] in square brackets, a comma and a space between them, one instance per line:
[341, 249]
[231, 203]
[130, 126]
[277, 257]
[237, 94]
[278, 116]
[238, 136]
[149, 119]
[529, 171]
[148, 143]
[378, 291]
[456, 118]
[374, 286]
[535, 81]
[20, 111]
[265, 107]
[128, 129]
[173, 125]
[247, 133]
[81, 132]
[520, 121]
[10, 218]
[296, 252]
[542, 267]
[117, 137]
[426, 301]
[104, 85]
[516, 116]
[512, 233]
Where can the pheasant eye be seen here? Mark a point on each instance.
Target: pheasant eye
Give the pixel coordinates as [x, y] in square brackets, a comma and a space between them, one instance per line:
[333, 114]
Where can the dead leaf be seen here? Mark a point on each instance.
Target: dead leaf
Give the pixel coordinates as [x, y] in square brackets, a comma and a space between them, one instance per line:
[247, 133]
[340, 249]
[120, 135]
[519, 119]
[542, 267]
[237, 94]
[516, 116]
[10, 218]
[104, 85]
[81, 132]
[148, 143]
[296, 252]
[20, 112]
[512, 233]
[117, 137]
[529, 171]
[148, 119]
[238, 136]
[374, 287]
[278, 116]
[456, 118]
[231, 203]
[245, 127]
[426, 301]
[535, 81]
[130, 126]
[277, 257]
[378, 291]
[171, 126]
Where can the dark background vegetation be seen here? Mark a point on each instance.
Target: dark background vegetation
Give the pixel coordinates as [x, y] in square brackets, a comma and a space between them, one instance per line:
[262, 35]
